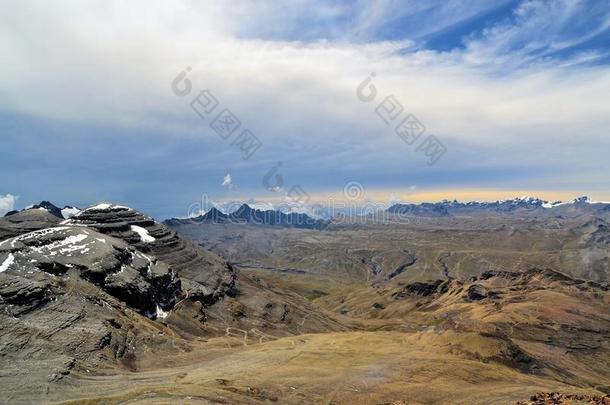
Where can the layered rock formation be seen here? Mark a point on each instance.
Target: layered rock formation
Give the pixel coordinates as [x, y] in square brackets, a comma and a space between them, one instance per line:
[34, 263]
[25, 221]
[110, 287]
[213, 277]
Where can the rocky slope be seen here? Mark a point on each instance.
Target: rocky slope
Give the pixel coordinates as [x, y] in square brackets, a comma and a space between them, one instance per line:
[148, 236]
[111, 288]
[111, 303]
[541, 321]
[17, 223]
[418, 250]
[71, 297]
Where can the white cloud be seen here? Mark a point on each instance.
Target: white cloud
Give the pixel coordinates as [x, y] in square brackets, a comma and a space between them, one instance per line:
[113, 62]
[124, 78]
[538, 30]
[7, 203]
[227, 181]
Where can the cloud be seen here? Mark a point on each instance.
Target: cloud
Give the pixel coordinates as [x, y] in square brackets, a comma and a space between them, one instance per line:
[227, 181]
[7, 203]
[521, 102]
[542, 32]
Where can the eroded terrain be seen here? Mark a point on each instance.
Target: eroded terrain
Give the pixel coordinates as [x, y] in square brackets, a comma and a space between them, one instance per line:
[113, 307]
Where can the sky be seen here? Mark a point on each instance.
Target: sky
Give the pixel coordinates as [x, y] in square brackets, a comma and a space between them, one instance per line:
[159, 105]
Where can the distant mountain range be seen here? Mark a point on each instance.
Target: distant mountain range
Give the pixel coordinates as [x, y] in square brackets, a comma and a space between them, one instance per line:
[248, 215]
[528, 206]
[245, 214]
[521, 205]
[63, 213]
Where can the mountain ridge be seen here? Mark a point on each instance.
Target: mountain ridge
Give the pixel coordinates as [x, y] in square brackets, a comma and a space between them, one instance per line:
[63, 213]
[111, 297]
[520, 204]
[248, 215]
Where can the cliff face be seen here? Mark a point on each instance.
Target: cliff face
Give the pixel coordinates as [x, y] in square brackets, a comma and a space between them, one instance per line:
[214, 276]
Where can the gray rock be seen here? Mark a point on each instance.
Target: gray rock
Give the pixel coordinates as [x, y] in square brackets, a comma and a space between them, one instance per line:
[71, 295]
[185, 258]
[476, 292]
[85, 294]
[50, 208]
[26, 221]
[142, 282]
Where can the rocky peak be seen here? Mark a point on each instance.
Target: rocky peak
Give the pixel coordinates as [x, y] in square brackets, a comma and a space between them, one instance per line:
[61, 213]
[214, 276]
[248, 215]
[582, 200]
[50, 207]
[523, 204]
[214, 215]
[141, 281]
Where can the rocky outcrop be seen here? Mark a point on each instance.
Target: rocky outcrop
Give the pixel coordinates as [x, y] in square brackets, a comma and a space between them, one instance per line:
[26, 221]
[557, 398]
[409, 261]
[49, 207]
[72, 295]
[217, 278]
[31, 264]
[493, 283]
[422, 289]
[23, 295]
[476, 292]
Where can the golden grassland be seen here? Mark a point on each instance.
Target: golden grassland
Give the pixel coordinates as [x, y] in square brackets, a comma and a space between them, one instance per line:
[346, 367]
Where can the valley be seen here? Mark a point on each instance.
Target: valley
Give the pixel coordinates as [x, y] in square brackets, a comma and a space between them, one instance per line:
[111, 306]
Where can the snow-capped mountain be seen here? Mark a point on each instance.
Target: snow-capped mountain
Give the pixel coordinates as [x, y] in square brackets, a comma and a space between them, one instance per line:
[246, 214]
[523, 204]
[288, 206]
[63, 213]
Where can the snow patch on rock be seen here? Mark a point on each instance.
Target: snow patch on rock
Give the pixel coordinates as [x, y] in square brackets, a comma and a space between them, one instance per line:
[69, 212]
[101, 207]
[161, 314]
[144, 235]
[8, 261]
